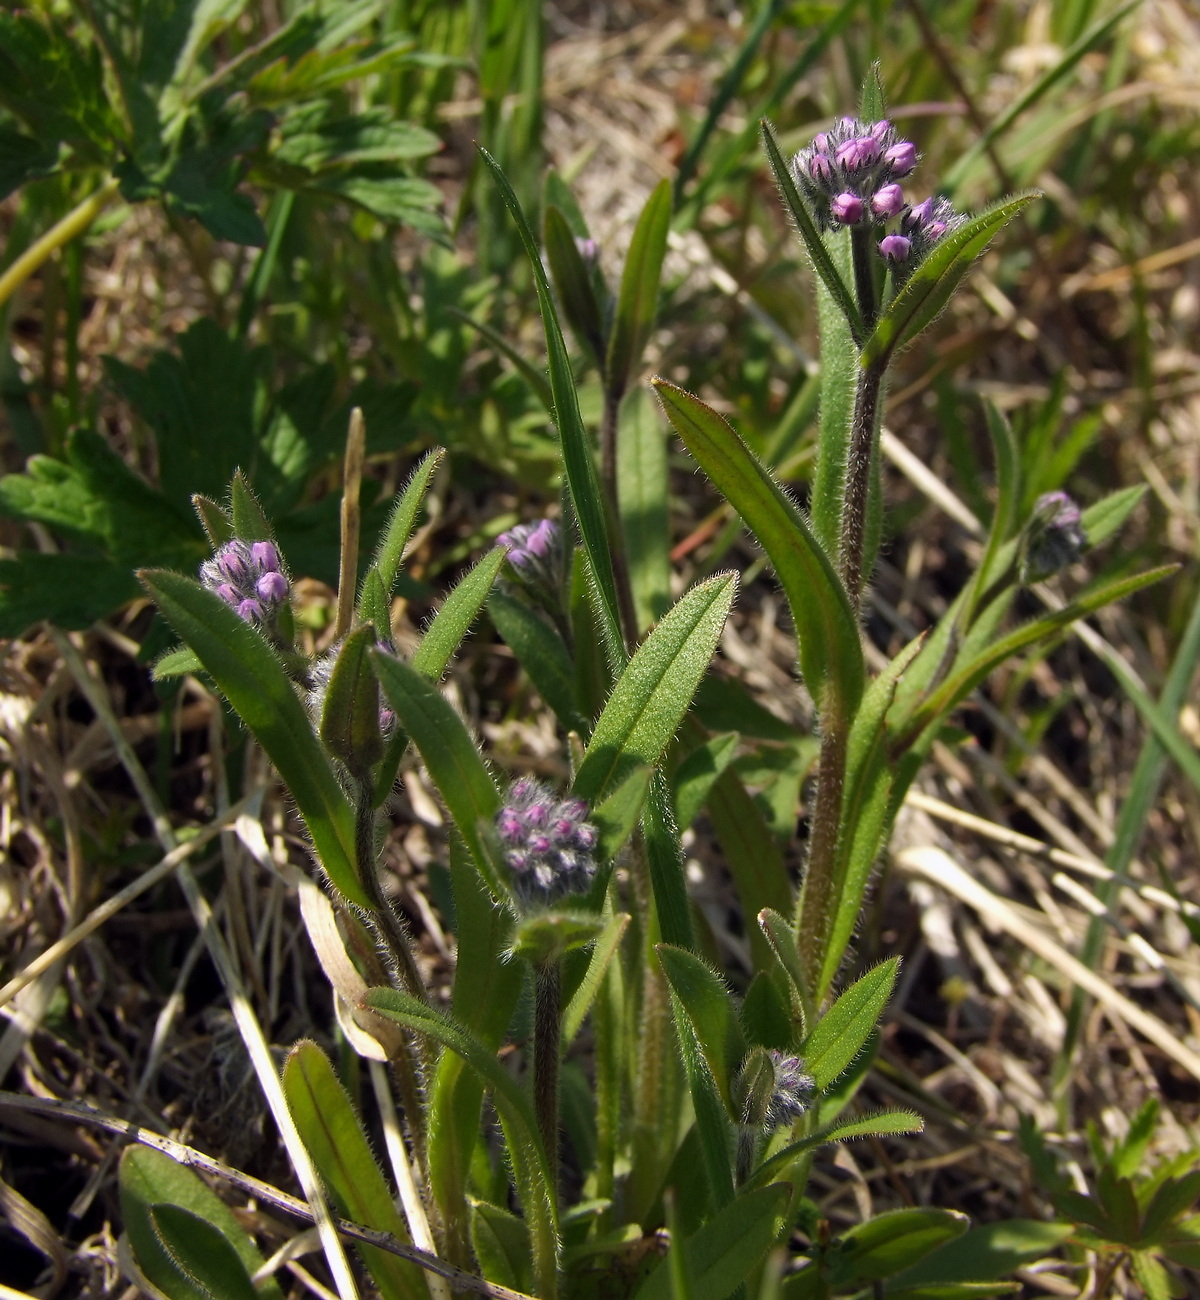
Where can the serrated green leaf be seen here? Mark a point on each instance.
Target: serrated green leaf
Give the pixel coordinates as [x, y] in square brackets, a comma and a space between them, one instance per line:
[830, 649]
[653, 693]
[350, 711]
[574, 284]
[806, 229]
[838, 1037]
[578, 464]
[147, 1178]
[453, 620]
[450, 757]
[334, 1136]
[934, 281]
[201, 1254]
[250, 675]
[404, 515]
[722, 1254]
[637, 299]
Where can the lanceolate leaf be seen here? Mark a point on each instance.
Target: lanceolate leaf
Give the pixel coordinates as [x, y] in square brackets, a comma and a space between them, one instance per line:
[603, 951]
[931, 285]
[653, 693]
[201, 1254]
[334, 1137]
[450, 757]
[540, 650]
[875, 1124]
[573, 282]
[708, 1005]
[807, 230]
[404, 515]
[251, 677]
[829, 646]
[841, 1032]
[578, 465]
[350, 713]
[453, 620]
[637, 302]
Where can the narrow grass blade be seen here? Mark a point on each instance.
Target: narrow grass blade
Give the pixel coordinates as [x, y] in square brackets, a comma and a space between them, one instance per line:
[252, 678]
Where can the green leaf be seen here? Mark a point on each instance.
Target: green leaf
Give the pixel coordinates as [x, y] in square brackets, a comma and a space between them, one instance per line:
[450, 756]
[818, 254]
[176, 663]
[651, 696]
[608, 941]
[985, 1253]
[840, 1034]
[722, 1254]
[201, 1253]
[573, 282]
[782, 940]
[250, 675]
[453, 620]
[249, 521]
[148, 1178]
[578, 464]
[932, 284]
[1105, 518]
[962, 680]
[697, 774]
[334, 1136]
[350, 712]
[896, 1240]
[502, 1246]
[533, 377]
[637, 300]
[543, 654]
[643, 492]
[709, 1007]
[873, 1124]
[373, 604]
[404, 515]
[617, 815]
[766, 1017]
[830, 649]
[953, 1291]
[72, 591]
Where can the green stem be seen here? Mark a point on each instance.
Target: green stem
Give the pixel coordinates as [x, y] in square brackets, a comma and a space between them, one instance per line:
[61, 233]
[858, 482]
[862, 244]
[547, 1031]
[609, 426]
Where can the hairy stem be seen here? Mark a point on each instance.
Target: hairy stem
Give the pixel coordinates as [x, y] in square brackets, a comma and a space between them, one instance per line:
[858, 483]
[609, 426]
[862, 245]
[547, 1028]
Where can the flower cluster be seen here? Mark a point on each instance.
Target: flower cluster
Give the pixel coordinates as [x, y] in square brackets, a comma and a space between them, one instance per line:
[248, 578]
[548, 843]
[793, 1092]
[850, 176]
[534, 550]
[1054, 539]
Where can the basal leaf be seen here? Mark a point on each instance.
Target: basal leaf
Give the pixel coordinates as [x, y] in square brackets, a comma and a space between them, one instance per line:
[251, 677]
[829, 646]
[201, 1253]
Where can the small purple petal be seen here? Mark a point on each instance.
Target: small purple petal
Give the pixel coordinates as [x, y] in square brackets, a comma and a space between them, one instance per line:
[846, 208]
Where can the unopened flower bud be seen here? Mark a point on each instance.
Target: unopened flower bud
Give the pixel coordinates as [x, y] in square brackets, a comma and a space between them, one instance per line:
[895, 248]
[1054, 539]
[846, 208]
[888, 201]
[247, 577]
[547, 841]
[772, 1088]
[820, 168]
[272, 587]
[880, 129]
[265, 556]
[858, 154]
[901, 158]
[251, 611]
[228, 594]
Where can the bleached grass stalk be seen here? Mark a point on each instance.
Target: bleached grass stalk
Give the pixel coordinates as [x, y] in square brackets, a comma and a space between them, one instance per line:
[247, 1022]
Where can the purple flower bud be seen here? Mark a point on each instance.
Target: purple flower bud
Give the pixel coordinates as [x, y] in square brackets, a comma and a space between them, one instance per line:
[538, 815]
[228, 594]
[576, 809]
[901, 157]
[517, 860]
[273, 588]
[935, 229]
[821, 142]
[586, 837]
[895, 248]
[880, 129]
[549, 843]
[1054, 538]
[231, 565]
[542, 538]
[589, 250]
[251, 611]
[509, 825]
[858, 154]
[265, 556]
[793, 1092]
[820, 168]
[524, 790]
[846, 208]
[540, 844]
[917, 217]
[888, 201]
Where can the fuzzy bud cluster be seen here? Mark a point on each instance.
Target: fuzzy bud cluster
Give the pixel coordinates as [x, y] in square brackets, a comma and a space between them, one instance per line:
[248, 577]
[548, 842]
[772, 1089]
[850, 176]
[1054, 539]
[537, 561]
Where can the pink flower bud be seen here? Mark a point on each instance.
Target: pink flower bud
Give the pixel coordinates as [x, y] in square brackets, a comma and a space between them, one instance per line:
[265, 556]
[895, 248]
[846, 208]
[880, 129]
[888, 201]
[820, 168]
[273, 588]
[858, 154]
[251, 611]
[228, 594]
[901, 157]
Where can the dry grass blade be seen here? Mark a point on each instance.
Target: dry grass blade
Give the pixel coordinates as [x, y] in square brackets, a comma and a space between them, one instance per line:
[936, 866]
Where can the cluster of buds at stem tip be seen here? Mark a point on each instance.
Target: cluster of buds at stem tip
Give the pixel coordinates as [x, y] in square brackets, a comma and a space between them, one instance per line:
[548, 843]
[772, 1089]
[850, 176]
[248, 577]
[1054, 539]
[535, 557]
